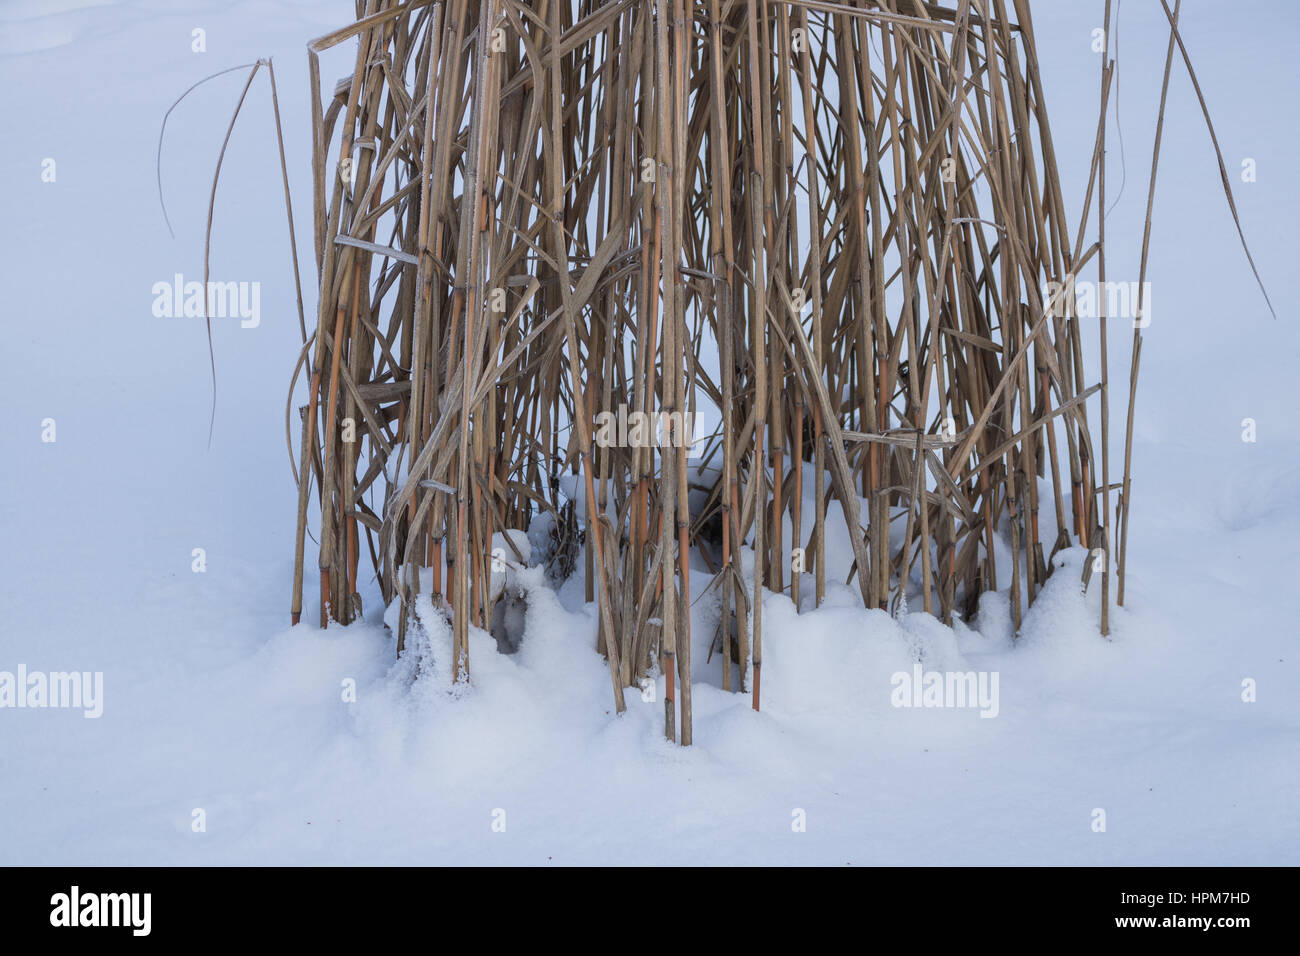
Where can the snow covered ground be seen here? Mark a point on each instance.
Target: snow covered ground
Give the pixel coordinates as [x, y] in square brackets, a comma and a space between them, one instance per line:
[211, 703]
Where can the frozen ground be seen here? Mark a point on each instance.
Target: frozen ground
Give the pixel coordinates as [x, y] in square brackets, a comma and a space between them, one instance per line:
[211, 702]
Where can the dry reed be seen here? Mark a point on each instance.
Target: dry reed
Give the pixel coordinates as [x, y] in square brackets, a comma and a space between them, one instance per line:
[828, 225]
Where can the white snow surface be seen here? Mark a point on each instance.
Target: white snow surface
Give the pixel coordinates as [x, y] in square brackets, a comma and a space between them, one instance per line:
[212, 702]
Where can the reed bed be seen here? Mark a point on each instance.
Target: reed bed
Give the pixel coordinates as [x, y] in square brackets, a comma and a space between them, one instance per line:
[825, 226]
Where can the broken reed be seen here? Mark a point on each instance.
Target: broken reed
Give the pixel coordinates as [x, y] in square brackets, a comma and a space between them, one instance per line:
[831, 223]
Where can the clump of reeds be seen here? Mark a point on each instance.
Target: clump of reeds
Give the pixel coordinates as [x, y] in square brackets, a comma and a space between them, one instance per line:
[830, 224]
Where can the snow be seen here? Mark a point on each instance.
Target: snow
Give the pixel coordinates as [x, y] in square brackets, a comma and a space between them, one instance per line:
[212, 703]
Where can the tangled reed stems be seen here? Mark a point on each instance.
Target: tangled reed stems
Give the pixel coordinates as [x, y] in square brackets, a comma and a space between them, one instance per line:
[827, 226]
